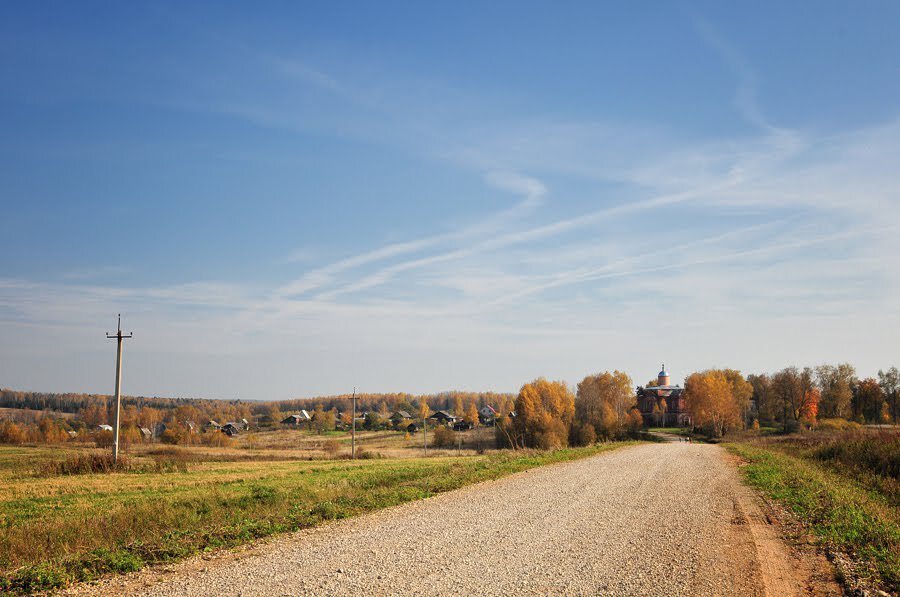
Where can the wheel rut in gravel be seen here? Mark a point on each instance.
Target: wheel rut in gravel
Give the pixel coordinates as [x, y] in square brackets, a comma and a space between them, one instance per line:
[653, 519]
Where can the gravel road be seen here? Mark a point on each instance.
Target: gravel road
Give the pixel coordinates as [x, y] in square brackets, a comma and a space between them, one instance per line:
[653, 519]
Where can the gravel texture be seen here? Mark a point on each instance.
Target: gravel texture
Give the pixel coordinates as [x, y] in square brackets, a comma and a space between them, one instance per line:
[653, 519]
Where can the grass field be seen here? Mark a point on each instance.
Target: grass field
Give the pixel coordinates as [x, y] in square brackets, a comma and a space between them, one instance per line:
[56, 529]
[844, 487]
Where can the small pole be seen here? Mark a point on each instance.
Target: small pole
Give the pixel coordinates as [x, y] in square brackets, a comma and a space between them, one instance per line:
[119, 337]
[353, 440]
[425, 431]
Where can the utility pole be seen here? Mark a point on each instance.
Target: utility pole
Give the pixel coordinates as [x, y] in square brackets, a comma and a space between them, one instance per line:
[353, 440]
[119, 337]
[425, 430]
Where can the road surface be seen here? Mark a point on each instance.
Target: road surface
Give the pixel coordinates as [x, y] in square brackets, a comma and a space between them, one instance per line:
[653, 519]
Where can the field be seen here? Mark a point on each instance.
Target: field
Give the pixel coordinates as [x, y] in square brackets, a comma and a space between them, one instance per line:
[844, 487]
[174, 502]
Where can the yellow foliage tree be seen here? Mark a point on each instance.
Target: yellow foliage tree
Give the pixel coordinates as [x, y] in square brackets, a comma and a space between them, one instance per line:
[709, 398]
[472, 415]
[544, 414]
[604, 401]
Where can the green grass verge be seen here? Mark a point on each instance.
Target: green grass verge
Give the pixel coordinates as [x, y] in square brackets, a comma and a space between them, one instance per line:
[845, 515]
[61, 530]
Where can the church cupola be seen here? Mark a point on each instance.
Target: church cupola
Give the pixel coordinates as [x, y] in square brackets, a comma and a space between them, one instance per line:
[663, 378]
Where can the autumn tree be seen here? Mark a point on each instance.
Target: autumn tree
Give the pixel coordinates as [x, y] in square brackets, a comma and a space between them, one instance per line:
[788, 390]
[836, 384]
[761, 396]
[544, 413]
[471, 416]
[870, 402]
[742, 391]
[322, 420]
[604, 401]
[890, 384]
[709, 398]
[809, 405]
[458, 409]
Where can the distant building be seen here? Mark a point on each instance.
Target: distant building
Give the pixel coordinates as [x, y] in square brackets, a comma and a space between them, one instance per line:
[663, 404]
[443, 417]
[104, 428]
[146, 434]
[231, 429]
[486, 415]
[400, 417]
[297, 419]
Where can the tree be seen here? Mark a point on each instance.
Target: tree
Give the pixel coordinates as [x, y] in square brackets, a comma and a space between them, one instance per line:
[742, 391]
[787, 396]
[809, 406]
[544, 413]
[890, 385]
[471, 416]
[710, 400]
[604, 401]
[761, 385]
[322, 420]
[870, 402]
[458, 409]
[836, 383]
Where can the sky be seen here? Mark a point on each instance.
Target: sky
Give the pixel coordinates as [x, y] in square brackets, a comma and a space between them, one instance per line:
[295, 199]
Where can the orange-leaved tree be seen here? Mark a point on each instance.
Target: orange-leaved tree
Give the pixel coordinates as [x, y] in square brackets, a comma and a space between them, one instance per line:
[709, 398]
[544, 414]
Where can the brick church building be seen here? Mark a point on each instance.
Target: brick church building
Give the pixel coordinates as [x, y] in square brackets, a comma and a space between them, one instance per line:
[662, 405]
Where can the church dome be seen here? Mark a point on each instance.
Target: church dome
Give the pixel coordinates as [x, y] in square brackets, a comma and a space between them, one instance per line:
[663, 377]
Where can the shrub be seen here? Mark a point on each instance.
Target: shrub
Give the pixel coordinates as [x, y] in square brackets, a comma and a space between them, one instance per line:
[331, 447]
[11, 433]
[442, 437]
[103, 439]
[836, 425]
[585, 434]
[85, 463]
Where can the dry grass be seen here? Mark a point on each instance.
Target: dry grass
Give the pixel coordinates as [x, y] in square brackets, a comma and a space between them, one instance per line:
[55, 529]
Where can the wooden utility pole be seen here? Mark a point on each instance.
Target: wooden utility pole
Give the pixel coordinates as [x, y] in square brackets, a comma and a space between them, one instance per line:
[119, 337]
[353, 440]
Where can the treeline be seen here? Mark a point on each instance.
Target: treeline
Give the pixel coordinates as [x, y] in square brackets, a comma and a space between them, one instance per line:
[793, 397]
[548, 414]
[39, 416]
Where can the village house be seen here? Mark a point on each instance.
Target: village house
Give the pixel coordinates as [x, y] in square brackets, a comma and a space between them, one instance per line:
[443, 417]
[297, 419]
[231, 429]
[486, 415]
[400, 417]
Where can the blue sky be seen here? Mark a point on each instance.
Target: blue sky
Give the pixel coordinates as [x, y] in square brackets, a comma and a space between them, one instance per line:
[294, 199]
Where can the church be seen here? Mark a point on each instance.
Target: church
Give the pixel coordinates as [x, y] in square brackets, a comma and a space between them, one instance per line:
[662, 405]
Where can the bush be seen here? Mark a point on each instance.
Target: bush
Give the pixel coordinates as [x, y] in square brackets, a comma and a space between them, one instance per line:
[85, 463]
[837, 425]
[331, 447]
[442, 437]
[11, 433]
[585, 435]
[103, 439]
